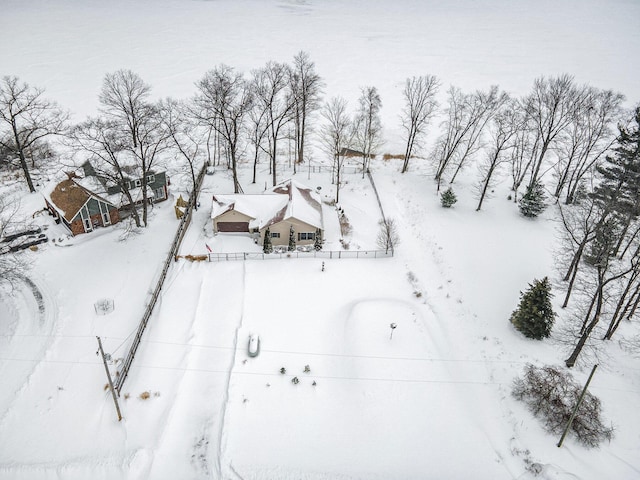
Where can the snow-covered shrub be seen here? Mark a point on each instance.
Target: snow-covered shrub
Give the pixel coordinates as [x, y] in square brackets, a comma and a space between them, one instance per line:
[551, 395]
[104, 306]
[267, 246]
[292, 239]
[345, 226]
[317, 244]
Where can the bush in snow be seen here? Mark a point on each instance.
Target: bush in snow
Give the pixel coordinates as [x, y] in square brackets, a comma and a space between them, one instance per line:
[292, 239]
[295, 380]
[551, 395]
[534, 316]
[448, 198]
[267, 246]
[532, 202]
[317, 244]
[283, 370]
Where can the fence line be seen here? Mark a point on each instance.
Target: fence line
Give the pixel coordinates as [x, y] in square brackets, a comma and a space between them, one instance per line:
[348, 169]
[329, 254]
[123, 373]
[375, 190]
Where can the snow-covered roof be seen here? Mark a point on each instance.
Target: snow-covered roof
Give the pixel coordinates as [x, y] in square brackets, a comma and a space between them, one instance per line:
[289, 199]
[119, 199]
[69, 196]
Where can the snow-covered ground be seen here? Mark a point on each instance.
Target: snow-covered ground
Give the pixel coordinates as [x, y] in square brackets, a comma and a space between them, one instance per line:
[433, 401]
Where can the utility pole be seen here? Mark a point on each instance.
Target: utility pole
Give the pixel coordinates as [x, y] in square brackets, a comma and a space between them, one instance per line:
[106, 368]
[575, 410]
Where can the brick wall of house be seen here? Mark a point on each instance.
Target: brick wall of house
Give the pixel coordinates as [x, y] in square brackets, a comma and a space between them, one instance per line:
[76, 227]
[115, 215]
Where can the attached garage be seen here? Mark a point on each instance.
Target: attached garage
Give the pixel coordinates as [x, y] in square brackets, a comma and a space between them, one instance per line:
[231, 221]
[233, 226]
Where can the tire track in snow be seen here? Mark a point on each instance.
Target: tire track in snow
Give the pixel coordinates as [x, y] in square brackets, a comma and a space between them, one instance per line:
[47, 316]
[225, 400]
[174, 403]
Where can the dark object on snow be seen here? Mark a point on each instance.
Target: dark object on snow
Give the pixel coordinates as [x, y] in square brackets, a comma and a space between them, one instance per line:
[13, 236]
[22, 243]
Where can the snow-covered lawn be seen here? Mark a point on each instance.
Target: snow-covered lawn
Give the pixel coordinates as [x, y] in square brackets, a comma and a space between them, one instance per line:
[434, 400]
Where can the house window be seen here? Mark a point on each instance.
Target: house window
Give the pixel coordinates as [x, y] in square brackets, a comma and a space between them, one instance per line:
[104, 210]
[275, 234]
[86, 219]
[137, 183]
[151, 178]
[159, 194]
[306, 236]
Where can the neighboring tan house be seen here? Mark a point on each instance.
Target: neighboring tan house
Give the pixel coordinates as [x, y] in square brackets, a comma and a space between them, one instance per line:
[79, 209]
[287, 205]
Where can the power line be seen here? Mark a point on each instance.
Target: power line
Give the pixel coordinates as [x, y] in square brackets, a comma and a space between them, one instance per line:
[261, 374]
[294, 352]
[267, 374]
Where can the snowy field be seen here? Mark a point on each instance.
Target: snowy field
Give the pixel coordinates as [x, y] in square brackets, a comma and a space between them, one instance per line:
[431, 402]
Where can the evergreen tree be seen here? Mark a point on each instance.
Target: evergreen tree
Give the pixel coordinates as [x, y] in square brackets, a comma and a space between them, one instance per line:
[317, 244]
[532, 202]
[448, 198]
[618, 191]
[619, 187]
[534, 316]
[603, 245]
[267, 246]
[292, 239]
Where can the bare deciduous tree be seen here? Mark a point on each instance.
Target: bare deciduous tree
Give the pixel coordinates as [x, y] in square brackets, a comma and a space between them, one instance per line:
[12, 265]
[525, 150]
[586, 139]
[26, 118]
[551, 106]
[336, 134]
[420, 104]
[101, 140]
[307, 87]
[579, 225]
[483, 107]
[125, 99]
[388, 237]
[467, 115]
[274, 97]
[186, 140]
[367, 125]
[225, 99]
[606, 274]
[257, 132]
[506, 124]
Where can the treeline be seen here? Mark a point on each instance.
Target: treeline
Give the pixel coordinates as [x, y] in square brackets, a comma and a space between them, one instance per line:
[575, 143]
